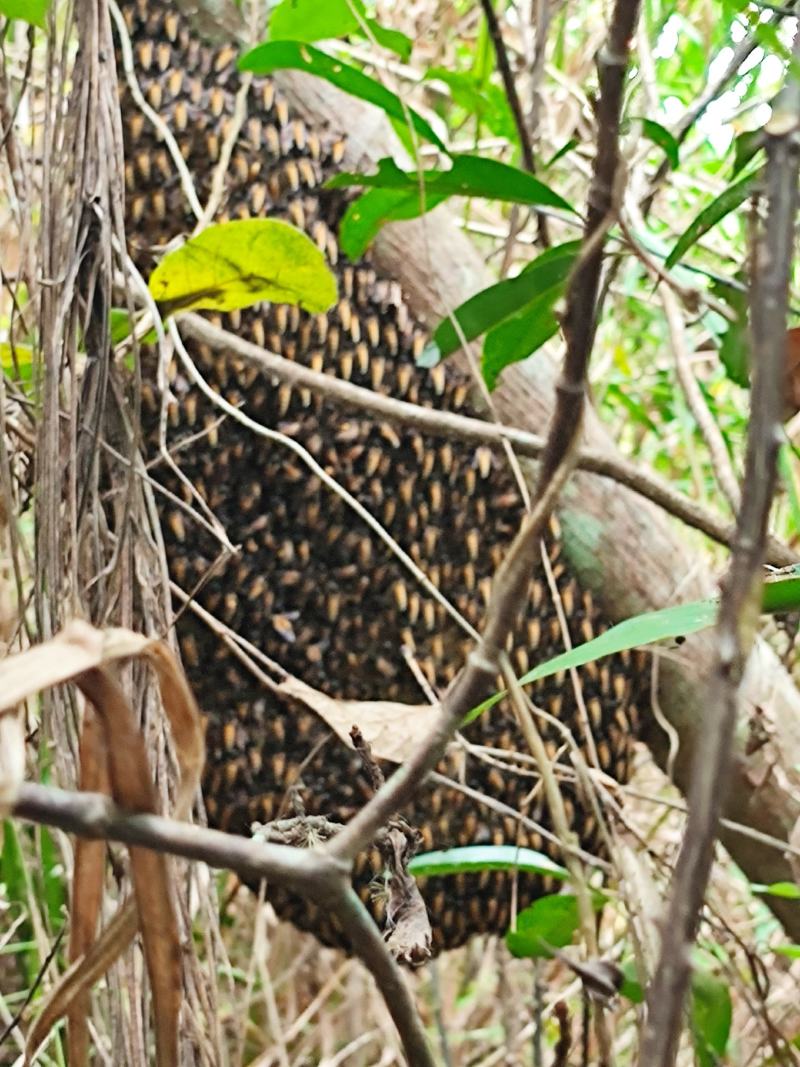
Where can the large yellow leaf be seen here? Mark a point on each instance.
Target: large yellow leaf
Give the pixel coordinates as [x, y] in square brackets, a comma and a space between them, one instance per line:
[235, 264]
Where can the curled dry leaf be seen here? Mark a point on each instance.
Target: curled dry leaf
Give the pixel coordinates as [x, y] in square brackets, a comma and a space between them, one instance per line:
[185, 722]
[132, 789]
[392, 730]
[408, 928]
[87, 881]
[113, 759]
[78, 647]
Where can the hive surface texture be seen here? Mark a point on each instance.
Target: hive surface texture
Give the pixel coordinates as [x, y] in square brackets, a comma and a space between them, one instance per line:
[311, 585]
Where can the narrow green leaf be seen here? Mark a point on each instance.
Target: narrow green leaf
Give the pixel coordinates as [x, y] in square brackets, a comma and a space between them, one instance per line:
[53, 882]
[484, 858]
[33, 11]
[492, 306]
[365, 216]
[661, 136]
[779, 594]
[734, 350]
[280, 55]
[236, 264]
[745, 147]
[785, 890]
[469, 175]
[710, 1013]
[662, 625]
[727, 201]
[791, 952]
[550, 922]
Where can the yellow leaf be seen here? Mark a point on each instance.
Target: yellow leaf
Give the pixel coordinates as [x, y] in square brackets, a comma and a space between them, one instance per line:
[235, 264]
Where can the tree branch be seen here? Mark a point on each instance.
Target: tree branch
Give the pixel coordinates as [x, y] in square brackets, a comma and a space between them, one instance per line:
[315, 874]
[453, 426]
[741, 592]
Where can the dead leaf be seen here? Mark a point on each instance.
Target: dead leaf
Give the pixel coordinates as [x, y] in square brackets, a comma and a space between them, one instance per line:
[185, 722]
[392, 730]
[78, 647]
[132, 789]
[77, 981]
[87, 881]
[408, 928]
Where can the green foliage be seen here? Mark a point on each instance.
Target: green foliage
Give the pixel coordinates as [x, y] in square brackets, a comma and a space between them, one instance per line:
[785, 890]
[661, 136]
[550, 922]
[484, 858]
[734, 341]
[710, 1011]
[17, 364]
[283, 55]
[479, 98]
[32, 11]
[236, 264]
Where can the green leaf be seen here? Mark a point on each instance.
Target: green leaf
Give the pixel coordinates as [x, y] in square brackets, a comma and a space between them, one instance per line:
[745, 147]
[495, 305]
[120, 327]
[33, 11]
[550, 921]
[52, 875]
[486, 102]
[734, 337]
[661, 136]
[235, 264]
[519, 336]
[391, 39]
[469, 175]
[785, 890]
[17, 363]
[364, 218]
[484, 858]
[710, 1015]
[791, 952]
[309, 20]
[631, 987]
[727, 201]
[280, 55]
[786, 468]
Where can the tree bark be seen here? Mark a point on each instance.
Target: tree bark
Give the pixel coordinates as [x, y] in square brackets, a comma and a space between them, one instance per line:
[623, 548]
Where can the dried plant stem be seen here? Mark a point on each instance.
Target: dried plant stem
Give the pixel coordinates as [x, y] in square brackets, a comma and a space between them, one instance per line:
[712, 435]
